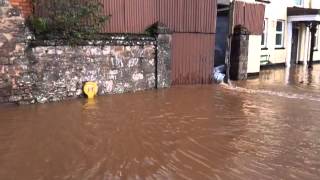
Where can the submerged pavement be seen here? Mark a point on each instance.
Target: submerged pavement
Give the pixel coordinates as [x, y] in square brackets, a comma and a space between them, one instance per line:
[266, 128]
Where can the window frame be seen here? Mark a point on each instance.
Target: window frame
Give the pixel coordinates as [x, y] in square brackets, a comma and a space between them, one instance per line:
[265, 33]
[298, 5]
[282, 33]
[3, 2]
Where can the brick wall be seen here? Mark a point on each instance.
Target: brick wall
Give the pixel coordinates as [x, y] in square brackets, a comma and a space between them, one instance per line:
[24, 5]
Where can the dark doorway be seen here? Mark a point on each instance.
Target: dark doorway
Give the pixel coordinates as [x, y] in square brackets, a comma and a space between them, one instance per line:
[294, 47]
[221, 35]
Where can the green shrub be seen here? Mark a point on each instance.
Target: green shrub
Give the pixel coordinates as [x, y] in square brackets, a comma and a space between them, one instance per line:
[70, 20]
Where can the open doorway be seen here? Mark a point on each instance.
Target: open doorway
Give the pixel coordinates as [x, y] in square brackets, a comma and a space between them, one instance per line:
[221, 34]
[295, 45]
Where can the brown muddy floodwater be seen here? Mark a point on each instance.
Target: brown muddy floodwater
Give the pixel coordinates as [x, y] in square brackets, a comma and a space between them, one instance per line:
[268, 128]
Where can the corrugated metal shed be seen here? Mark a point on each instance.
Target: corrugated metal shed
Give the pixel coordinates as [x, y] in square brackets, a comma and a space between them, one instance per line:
[250, 15]
[135, 16]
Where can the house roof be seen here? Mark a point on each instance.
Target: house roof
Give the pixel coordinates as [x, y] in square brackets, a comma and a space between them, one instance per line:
[297, 11]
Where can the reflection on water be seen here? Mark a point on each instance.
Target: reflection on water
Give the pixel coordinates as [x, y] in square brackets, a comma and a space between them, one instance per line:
[295, 78]
[199, 132]
[297, 82]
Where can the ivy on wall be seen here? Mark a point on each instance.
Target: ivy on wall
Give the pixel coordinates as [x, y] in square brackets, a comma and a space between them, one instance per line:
[72, 20]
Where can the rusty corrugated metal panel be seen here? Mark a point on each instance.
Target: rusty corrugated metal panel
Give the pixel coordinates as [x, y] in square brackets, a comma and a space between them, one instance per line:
[115, 8]
[206, 16]
[178, 15]
[192, 58]
[239, 13]
[129, 16]
[249, 15]
[134, 16]
[188, 15]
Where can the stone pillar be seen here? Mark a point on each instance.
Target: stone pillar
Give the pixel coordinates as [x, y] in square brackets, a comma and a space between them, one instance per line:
[15, 83]
[163, 59]
[239, 54]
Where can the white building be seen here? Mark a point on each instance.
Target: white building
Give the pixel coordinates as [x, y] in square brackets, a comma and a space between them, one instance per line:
[286, 39]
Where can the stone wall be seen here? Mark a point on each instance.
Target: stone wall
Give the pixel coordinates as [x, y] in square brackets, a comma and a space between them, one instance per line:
[59, 72]
[163, 65]
[14, 39]
[53, 72]
[38, 71]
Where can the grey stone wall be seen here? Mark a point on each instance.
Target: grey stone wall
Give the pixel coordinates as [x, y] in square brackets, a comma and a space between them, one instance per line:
[164, 38]
[59, 72]
[45, 71]
[53, 72]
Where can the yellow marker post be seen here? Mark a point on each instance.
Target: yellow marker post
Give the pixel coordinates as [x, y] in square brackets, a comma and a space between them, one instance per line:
[90, 89]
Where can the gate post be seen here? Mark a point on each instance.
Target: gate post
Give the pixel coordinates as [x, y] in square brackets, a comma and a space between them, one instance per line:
[239, 53]
[163, 56]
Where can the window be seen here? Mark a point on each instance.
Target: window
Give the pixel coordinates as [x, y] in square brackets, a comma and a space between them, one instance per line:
[264, 34]
[279, 34]
[298, 2]
[2, 2]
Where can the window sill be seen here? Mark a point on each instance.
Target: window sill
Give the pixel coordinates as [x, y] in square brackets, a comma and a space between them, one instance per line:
[264, 48]
[298, 6]
[280, 48]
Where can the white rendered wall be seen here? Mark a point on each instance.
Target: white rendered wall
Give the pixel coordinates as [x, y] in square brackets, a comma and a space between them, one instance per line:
[254, 54]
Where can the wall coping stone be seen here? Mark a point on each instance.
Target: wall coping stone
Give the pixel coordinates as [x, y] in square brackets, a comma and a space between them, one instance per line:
[102, 40]
[163, 29]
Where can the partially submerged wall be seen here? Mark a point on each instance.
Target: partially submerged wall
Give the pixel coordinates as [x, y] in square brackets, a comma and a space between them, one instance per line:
[52, 72]
[13, 42]
[38, 71]
[59, 72]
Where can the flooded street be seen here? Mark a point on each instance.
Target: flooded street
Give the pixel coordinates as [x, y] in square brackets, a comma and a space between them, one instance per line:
[267, 128]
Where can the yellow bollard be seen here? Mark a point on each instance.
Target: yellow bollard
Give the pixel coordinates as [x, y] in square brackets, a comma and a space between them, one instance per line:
[90, 89]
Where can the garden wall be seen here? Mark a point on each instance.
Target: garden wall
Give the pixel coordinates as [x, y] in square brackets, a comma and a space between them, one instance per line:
[49, 71]
[58, 72]
[38, 71]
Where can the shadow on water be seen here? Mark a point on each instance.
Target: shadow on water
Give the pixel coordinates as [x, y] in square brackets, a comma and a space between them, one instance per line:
[185, 132]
